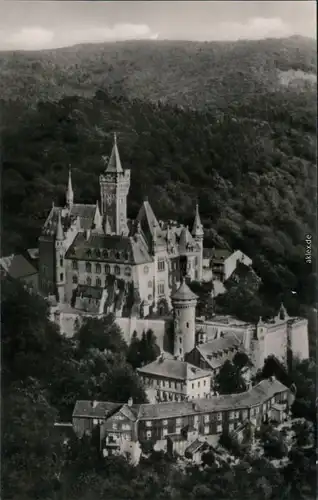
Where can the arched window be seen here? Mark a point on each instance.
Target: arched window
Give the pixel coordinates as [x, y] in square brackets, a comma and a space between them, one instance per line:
[146, 269]
[107, 269]
[75, 279]
[117, 270]
[88, 267]
[97, 268]
[89, 280]
[98, 282]
[187, 325]
[61, 261]
[75, 264]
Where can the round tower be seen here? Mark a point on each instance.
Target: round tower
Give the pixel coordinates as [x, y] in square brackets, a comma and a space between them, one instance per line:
[184, 302]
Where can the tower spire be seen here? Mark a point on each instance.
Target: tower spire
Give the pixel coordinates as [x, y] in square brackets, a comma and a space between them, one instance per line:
[197, 229]
[69, 192]
[114, 163]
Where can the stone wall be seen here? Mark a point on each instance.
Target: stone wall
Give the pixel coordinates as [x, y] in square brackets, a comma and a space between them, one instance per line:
[160, 327]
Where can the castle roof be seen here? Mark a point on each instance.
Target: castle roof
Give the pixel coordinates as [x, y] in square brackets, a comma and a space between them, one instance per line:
[185, 240]
[85, 213]
[147, 218]
[114, 163]
[173, 369]
[184, 293]
[59, 229]
[109, 248]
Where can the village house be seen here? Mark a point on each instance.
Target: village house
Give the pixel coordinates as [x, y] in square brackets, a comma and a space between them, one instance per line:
[176, 380]
[122, 423]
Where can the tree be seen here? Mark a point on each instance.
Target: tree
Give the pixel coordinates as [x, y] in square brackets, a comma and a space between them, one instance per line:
[241, 360]
[103, 334]
[33, 456]
[143, 351]
[229, 379]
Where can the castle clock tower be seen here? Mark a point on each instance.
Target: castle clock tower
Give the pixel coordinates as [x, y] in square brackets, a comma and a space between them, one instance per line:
[114, 188]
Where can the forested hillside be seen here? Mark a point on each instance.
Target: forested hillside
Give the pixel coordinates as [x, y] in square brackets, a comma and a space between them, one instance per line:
[211, 74]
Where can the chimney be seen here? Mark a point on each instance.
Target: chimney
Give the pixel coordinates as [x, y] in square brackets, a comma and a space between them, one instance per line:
[130, 402]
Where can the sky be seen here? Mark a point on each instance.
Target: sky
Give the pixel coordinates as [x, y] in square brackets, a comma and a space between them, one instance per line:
[30, 25]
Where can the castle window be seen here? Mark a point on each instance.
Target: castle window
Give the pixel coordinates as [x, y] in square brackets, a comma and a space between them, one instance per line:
[61, 276]
[61, 262]
[117, 270]
[180, 340]
[75, 279]
[97, 252]
[89, 280]
[98, 282]
[89, 253]
[180, 351]
[97, 268]
[219, 428]
[75, 264]
[187, 325]
[149, 284]
[88, 267]
[219, 416]
[196, 261]
[146, 269]
[126, 256]
[161, 265]
[198, 384]
[204, 383]
[127, 271]
[192, 386]
[107, 269]
[149, 297]
[161, 288]
[118, 256]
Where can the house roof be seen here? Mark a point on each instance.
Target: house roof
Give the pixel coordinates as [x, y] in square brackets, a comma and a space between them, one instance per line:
[173, 369]
[17, 266]
[100, 410]
[109, 248]
[184, 293]
[258, 394]
[221, 344]
[220, 254]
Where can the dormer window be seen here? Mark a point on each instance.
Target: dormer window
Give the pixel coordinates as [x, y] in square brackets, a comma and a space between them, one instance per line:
[89, 253]
[97, 252]
[88, 267]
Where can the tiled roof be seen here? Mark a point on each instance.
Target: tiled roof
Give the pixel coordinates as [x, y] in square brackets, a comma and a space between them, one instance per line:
[147, 218]
[258, 394]
[17, 266]
[102, 408]
[218, 345]
[86, 214]
[109, 248]
[184, 293]
[220, 254]
[173, 369]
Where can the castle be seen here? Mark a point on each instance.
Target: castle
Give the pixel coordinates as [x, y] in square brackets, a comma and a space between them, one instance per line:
[83, 249]
[97, 261]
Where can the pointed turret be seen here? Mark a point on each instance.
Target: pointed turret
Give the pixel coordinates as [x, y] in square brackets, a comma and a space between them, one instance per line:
[114, 163]
[59, 228]
[197, 229]
[107, 228]
[69, 192]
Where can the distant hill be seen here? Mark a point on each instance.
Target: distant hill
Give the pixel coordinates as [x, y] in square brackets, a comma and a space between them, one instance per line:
[210, 74]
